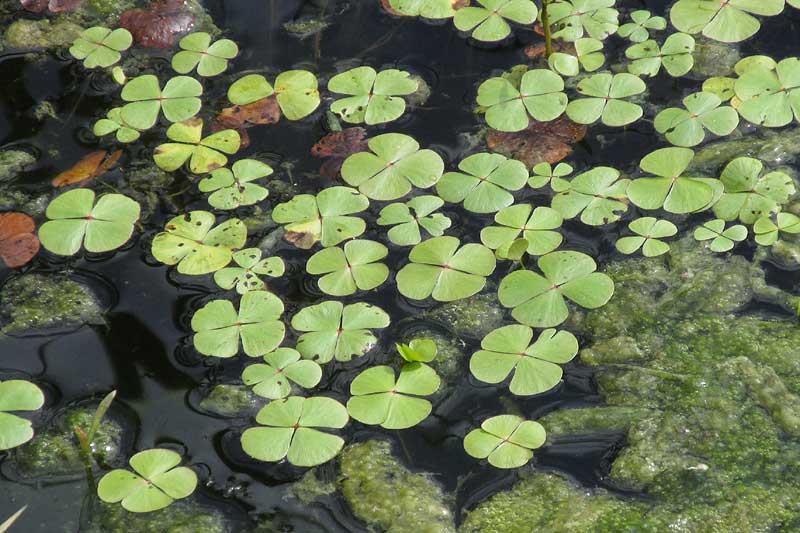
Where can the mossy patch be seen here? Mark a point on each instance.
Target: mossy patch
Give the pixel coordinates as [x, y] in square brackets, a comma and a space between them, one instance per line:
[183, 516]
[471, 317]
[231, 400]
[12, 162]
[27, 34]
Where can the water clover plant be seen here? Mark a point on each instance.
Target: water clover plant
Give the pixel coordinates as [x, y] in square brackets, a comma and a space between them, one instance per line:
[232, 188]
[297, 92]
[675, 55]
[245, 276]
[380, 398]
[193, 243]
[604, 99]
[17, 395]
[203, 153]
[728, 21]
[332, 330]
[649, 231]
[197, 51]
[288, 429]
[505, 441]
[597, 194]
[544, 173]
[536, 366]
[642, 21]
[75, 220]
[407, 218]
[484, 183]
[274, 377]
[324, 217]
[573, 19]
[429, 9]
[588, 54]
[750, 193]
[540, 95]
[179, 100]
[487, 20]
[375, 97]
[534, 226]
[769, 96]
[156, 481]
[538, 299]
[686, 127]
[767, 231]
[419, 350]
[101, 47]
[219, 328]
[722, 239]
[394, 165]
[356, 267]
[114, 123]
[445, 270]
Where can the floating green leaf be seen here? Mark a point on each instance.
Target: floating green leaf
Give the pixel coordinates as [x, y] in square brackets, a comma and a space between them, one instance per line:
[770, 97]
[538, 300]
[274, 377]
[505, 440]
[190, 242]
[249, 89]
[76, 220]
[517, 222]
[206, 154]
[598, 194]
[642, 21]
[288, 430]
[485, 182]
[729, 21]
[101, 47]
[156, 483]
[406, 230]
[395, 164]
[17, 395]
[750, 193]
[686, 127]
[324, 217]
[333, 330]
[429, 9]
[234, 188]
[722, 87]
[767, 231]
[489, 21]
[197, 50]
[588, 54]
[648, 230]
[605, 99]
[722, 240]
[178, 101]
[419, 350]
[540, 95]
[572, 19]
[675, 55]
[114, 123]
[442, 268]
[535, 366]
[245, 276]
[219, 327]
[544, 173]
[375, 96]
[354, 268]
[297, 92]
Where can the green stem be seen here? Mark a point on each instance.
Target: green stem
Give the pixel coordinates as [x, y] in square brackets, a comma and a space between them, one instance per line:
[548, 39]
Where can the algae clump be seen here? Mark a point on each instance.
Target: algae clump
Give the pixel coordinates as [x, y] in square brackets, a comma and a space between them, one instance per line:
[230, 400]
[40, 34]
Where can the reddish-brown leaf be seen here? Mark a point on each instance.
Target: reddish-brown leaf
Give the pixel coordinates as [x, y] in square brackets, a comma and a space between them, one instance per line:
[337, 146]
[540, 142]
[54, 6]
[18, 244]
[535, 51]
[92, 166]
[157, 26]
[241, 117]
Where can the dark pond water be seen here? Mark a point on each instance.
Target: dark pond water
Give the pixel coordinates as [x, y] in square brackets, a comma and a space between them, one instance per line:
[144, 351]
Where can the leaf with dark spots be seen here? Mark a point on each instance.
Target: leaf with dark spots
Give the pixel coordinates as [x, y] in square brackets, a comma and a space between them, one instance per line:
[92, 166]
[54, 6]
[540, 142]
[303, 240]
[337, 147]
[157, 26]
[18, 244]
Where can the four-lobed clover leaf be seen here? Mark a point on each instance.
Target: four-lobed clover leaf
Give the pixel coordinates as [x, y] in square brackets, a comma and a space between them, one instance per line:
[232, 188]
[770, 96]
[487, 21]
[374, 96]
[356, 267]
[245, 276]
[334, 330]
[179, 100]
[274, 377]
[219, 328]
[750, 193]
[156, 481]
[686, 127]
[722, 239]
[190, 242]
[534, 226]
[540, 95]
[381, 399]
[538, 300]
[324, 217]
[648, 231]
[485, 182]
[75, 220]
[545, 173]
[203, 153]
[101, 47]
[588, 54]
[675, 55]
[288, 430]
[114, 123]
[406, 226]
[729, 21]
[429, 9]
[445, 270]
[17, 395]
[395, 164]
[536, 366]
[597, 194]
[572, 19]
[604, 100]
[505, 440]
[767, 231]
[643, 21]
[198, 51]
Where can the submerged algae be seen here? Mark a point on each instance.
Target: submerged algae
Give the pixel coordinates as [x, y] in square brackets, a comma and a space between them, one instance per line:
[183, 516]
[471, 317]
[231, 400]
[29, 34]
[12, 162]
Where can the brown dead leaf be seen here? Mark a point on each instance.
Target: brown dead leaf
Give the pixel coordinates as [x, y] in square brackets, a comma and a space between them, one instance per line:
[240, 117]
[18, 244]
[157, 26]
[337, 147]
[92, 166]
[301, 239]
[540, 142]
[535, 51]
